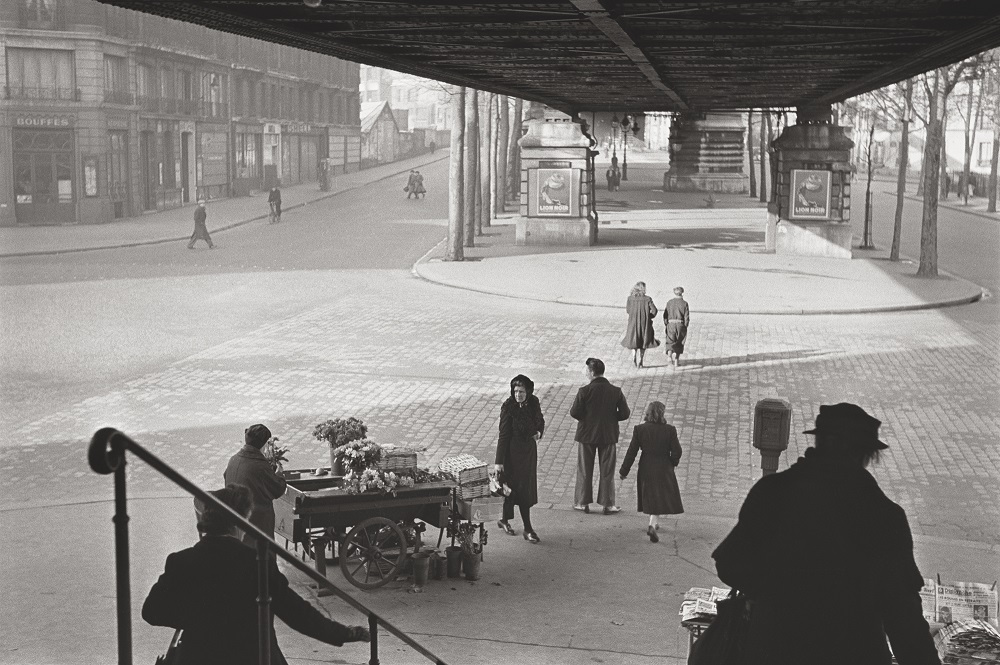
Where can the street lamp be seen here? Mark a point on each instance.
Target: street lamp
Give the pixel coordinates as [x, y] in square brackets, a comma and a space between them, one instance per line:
[629, 124]
[614, 138]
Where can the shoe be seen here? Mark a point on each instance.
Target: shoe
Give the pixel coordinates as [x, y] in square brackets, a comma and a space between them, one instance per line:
[611, 510]
[584, 508]
[531, 536]
[653, 538]
[508, 529]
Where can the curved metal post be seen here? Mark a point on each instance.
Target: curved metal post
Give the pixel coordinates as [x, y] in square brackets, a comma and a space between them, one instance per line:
[263, 604]
[373, 629]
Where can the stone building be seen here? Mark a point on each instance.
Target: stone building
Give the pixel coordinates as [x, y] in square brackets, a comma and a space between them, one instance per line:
[108, 113]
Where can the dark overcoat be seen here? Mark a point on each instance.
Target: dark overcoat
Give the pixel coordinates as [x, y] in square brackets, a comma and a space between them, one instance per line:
[597, 408]
[210, 591]
[656, 482]
[517, 449]
[676, 318]
[639, 332]
[249, 467]
[827, 560]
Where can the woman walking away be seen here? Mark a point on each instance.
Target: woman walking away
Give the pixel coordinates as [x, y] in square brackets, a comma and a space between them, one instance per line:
[677, 317]
[521, 426]
[639, 334]
[656, 487]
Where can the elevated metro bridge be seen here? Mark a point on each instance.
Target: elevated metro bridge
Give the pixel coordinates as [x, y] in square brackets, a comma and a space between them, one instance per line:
[594, 55]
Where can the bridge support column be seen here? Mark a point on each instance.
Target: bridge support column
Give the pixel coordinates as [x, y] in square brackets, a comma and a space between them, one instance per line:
[706, 153]
[809, 213]
[556, 184]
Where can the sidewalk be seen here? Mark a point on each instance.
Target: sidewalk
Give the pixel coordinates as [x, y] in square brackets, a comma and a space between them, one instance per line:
[716, 254]
[177, 224]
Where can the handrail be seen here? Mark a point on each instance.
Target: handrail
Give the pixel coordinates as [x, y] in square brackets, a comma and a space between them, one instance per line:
[106, 455]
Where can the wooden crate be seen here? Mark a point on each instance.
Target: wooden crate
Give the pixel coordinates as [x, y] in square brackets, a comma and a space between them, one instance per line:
[481, 510]
[399, 460]
[476, 490]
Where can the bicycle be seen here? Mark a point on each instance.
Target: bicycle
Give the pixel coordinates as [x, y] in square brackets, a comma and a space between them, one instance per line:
[275, 215]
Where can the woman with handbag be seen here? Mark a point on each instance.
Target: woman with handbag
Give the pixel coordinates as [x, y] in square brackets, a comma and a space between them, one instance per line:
[656, 488]
[521, 427]
[210, 592]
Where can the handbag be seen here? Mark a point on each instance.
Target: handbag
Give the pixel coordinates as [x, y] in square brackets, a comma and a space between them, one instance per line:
[173, 654]
[723, 641]
[497, 486]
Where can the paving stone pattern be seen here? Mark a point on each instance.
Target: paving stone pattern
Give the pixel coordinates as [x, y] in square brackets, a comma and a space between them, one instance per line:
[429, 366]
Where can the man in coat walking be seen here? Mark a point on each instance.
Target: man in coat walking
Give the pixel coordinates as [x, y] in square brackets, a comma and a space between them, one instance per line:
[826, 558]
[200, 230]
[598, 408]
[249, 467]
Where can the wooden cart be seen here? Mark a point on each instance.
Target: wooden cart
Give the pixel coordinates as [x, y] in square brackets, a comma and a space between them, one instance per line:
[372, 533]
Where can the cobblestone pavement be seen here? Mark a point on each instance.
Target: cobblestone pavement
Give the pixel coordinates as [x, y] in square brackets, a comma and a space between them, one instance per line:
[429, 366]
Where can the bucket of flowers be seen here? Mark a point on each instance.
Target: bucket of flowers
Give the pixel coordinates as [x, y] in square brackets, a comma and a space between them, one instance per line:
[275, 454]
[338, 432]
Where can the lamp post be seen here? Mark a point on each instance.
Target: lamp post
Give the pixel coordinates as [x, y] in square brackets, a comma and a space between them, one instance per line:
[614, 138]
[628, 124]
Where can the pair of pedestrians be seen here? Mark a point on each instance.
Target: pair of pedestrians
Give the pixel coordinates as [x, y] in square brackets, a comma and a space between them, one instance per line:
[639, 334]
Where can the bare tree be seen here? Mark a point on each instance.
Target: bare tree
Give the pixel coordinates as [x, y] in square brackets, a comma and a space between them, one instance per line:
[766, 133]
[514, 152]
[753, 171]
[469, 162]
[485, 170]
[902, 165]
[456, 175]
[503, 137]
[928, 229]
[991, 206]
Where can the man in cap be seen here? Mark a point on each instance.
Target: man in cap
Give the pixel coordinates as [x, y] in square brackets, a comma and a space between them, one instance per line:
[249, 467]
[200, 230]
[826, 559]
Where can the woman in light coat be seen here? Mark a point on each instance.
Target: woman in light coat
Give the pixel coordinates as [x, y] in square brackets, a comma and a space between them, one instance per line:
[639, 334]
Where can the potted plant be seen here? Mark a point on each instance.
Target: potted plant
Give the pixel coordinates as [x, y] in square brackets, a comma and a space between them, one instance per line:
[338, 432]
[472, 550]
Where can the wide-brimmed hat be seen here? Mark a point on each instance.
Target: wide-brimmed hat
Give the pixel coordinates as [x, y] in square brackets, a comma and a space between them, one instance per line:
[848, 420]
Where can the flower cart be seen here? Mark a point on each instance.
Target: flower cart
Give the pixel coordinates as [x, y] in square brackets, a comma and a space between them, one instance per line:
[373, 532]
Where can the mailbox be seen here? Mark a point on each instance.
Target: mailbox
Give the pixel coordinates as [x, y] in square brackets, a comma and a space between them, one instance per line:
[772, 420]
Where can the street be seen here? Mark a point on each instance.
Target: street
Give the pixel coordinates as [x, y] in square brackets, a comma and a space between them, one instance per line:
[319, 317]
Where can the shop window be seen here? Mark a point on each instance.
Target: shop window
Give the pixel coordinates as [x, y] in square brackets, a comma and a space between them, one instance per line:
[43, 166]
[40, 15]
[168, 179]
[116, 80]
[118, 172]
[40, 74]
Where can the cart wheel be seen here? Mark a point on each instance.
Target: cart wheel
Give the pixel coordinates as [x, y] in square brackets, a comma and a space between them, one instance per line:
[372, 553]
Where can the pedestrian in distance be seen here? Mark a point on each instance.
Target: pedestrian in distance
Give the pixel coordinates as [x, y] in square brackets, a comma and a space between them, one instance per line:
[274, 200]
[418, 185]
[210, 592]
[826, 559]
[250, 468]
[677, 318]
[433, 146]
[200, 229]
[656, 483]
[516, 462]
[411, 189]
[598, 407]
[639, 334]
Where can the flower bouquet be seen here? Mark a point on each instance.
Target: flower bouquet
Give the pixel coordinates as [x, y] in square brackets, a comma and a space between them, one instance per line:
[338, 432]
[357, 456]
[375, 480]
[275, 454]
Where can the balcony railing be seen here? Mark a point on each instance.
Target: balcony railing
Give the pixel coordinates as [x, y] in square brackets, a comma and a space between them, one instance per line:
[42, 93]
[119, 97]
[47, 16]
[213, 110]
[147, 103]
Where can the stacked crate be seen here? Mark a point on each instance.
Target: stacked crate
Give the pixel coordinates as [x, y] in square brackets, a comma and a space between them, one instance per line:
[470, 473]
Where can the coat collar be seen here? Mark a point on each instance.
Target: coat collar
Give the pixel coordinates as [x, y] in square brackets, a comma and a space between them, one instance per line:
[599, 379]
[251, 452]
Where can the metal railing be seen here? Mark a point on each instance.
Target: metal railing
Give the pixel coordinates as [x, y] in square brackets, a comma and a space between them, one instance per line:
[119, 97]
[44, 92]
[106, 455]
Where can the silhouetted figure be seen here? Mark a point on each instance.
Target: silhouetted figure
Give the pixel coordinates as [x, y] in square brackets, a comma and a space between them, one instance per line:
[200, 228]
[250, 468]
[521, 427]
[826, 558]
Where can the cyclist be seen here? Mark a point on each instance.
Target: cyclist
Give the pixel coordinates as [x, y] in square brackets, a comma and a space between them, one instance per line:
[274, 198]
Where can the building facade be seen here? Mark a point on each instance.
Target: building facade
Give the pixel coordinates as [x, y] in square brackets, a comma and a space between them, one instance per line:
[109, 113]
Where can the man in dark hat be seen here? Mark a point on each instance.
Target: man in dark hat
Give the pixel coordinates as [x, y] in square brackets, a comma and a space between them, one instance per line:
[826, 558]
[249, 467]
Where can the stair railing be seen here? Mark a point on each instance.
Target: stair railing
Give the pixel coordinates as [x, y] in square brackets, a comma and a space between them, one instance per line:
[106, 455]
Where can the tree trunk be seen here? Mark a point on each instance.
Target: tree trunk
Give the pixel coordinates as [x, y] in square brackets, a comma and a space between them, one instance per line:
[991, 205]
[469, 162]
[514, 153]
[753, 171]
[868, 241]
[456, 176]
[766, 133]
[503, 136]
[485, 168]
[943, 157]
[902, 165]
[928, 227]
[970, 140]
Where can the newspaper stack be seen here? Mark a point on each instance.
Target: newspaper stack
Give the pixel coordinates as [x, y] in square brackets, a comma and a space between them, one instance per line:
[968, 642]
[470, 473]
[699, 603]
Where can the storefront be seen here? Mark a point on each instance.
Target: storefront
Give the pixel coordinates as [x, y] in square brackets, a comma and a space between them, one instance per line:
[213, 162]
[300, 152]
[248, 174]
[43, 154]
[160, 175]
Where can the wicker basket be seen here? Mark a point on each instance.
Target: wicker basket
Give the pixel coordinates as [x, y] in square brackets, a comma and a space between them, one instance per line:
[399, 461]
[476, 490]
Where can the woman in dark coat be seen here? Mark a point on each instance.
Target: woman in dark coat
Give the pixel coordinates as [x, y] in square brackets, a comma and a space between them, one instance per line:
[657, 488]
[677, 318]
[210, 591]
[639, 331]
[521, 426]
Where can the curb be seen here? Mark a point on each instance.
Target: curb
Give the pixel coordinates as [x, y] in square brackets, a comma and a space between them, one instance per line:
[985, 215]
[953, 302]
[160, 241]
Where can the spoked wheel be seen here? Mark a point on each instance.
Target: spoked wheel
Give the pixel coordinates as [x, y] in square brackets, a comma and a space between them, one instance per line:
[372, 553]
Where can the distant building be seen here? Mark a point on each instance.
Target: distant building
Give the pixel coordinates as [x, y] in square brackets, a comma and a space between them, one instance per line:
[380, 142]
[425, 102]
[108, 113]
